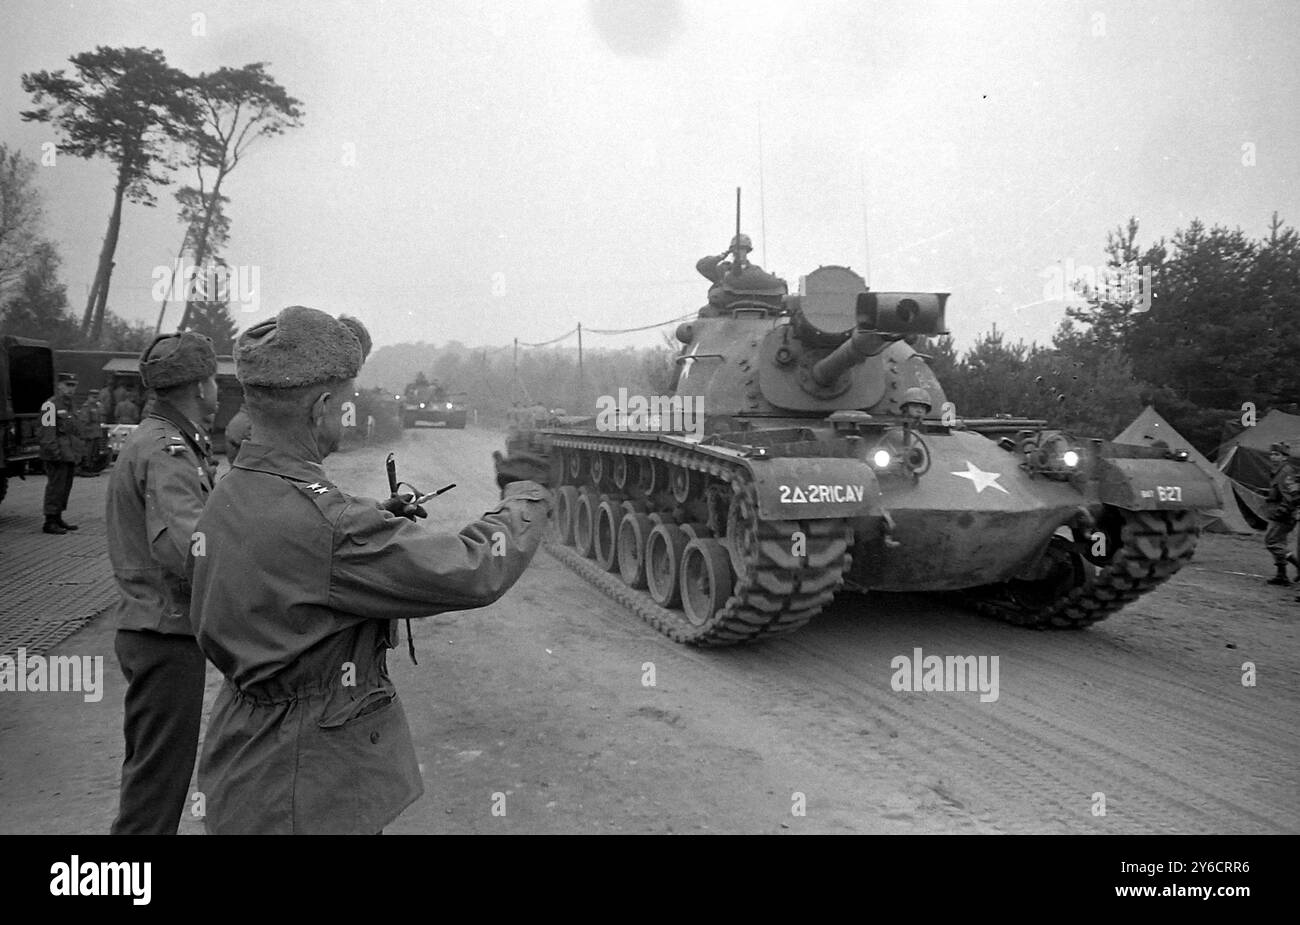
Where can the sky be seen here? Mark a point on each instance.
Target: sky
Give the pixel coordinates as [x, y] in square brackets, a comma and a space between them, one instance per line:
[484, 171]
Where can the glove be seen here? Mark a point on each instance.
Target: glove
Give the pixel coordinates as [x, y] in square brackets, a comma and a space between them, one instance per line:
[523, 465]
[403, 506]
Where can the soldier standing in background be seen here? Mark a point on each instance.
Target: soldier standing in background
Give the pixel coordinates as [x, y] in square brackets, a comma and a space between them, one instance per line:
[1283, 505]
[298, 609]
[127, 409]
[61, 449]
[158, 488]
[91, 419]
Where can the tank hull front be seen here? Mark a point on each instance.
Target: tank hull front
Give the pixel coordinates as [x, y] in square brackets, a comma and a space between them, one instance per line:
[974, 518]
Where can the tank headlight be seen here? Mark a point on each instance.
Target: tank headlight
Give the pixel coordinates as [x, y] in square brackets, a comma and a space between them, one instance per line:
[448, 406]
[1070, 458]
[882, 459]
[421, 404]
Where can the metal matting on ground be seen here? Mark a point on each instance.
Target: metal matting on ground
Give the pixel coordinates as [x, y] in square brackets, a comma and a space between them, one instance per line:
[50, 586]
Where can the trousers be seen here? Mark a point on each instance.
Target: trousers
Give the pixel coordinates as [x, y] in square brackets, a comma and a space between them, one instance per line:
[58, 485]
[161, 718]
[1275, 538]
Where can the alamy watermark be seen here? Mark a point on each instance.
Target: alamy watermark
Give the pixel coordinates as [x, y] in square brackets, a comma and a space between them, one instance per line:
[946, 674]
[1129, 284]
[654, 413]
[58, 673]
[76, 877]
[238, 285]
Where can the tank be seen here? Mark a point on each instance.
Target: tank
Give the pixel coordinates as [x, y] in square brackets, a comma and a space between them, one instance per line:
[431, 403]
[795, 461]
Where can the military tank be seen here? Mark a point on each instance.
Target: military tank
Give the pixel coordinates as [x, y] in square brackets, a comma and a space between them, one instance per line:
[808, 449]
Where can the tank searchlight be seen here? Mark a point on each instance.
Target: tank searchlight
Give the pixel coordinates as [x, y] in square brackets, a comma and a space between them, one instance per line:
[883, 317]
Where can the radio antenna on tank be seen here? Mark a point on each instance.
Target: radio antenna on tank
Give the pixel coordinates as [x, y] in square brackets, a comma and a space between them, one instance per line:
[866, 238]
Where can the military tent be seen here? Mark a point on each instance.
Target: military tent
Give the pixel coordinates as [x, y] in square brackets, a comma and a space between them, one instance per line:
[1148, 427]
[1244, 458]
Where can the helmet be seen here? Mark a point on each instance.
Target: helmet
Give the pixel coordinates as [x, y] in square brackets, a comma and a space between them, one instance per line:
[742, 240]
[918, 395]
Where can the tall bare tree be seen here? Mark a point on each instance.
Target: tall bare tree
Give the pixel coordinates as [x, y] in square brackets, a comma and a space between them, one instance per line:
[237, 106]
[124, 104]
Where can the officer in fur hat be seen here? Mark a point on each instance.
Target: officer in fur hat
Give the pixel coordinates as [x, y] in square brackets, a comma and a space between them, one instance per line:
[158, 488]
[299, 588]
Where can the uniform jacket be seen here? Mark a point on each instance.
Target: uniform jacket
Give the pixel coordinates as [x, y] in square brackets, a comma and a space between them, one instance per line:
[158, 488]
[1284, 493]
[296, 599]
[61, 441]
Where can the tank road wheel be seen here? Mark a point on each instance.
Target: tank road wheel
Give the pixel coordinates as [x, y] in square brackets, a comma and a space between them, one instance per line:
[584, 523]
[684, 483]
[573, 460]
[1074, 593]
[608, 516]
[651, 477]
[618, 472]
[633, 532]
[599, 470]
[663, 559]
[566, 507]
[706, 580]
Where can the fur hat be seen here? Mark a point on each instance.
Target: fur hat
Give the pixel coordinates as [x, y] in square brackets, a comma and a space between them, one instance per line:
[300, 346]
[175, 359]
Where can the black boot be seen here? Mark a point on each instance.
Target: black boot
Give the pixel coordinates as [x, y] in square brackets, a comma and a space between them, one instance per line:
[1290, 557]
[64, 524]
[1280, 578]
[52, 526]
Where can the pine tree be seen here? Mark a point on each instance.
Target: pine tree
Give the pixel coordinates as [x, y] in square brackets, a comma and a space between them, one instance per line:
[214, 320]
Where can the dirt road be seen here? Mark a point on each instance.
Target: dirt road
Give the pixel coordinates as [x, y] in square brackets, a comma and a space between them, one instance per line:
[537, 714]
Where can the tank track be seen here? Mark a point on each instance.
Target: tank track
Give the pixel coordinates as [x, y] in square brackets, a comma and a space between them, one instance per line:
[1154, 546]
[774, 592]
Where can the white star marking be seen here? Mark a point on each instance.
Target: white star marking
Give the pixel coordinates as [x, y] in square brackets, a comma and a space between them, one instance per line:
[687, 364]
[980, 479]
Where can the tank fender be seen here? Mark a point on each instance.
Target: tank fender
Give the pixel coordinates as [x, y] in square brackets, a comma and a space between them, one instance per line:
[816, 488]
[1156, 485]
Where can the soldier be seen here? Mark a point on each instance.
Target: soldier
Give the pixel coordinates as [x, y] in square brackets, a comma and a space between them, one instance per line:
[126, 411]
[1283, 504]
[161, 481]
[238, 430]
[90, 419]
[61, 449]
[916, 405]
[737, 278]
[298, 587]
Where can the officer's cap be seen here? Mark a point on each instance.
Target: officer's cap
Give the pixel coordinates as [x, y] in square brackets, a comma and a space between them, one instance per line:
[1283, 448]
[68, 377]
[175, 359]
[300, 346]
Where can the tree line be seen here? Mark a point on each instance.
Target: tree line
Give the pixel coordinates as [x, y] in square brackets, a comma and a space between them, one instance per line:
[130, 106]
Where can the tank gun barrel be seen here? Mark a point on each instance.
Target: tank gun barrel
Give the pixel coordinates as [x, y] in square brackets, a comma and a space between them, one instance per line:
[882, 317]
[861, 345]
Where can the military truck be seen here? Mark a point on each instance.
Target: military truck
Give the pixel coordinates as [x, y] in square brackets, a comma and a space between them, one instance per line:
[26, 381]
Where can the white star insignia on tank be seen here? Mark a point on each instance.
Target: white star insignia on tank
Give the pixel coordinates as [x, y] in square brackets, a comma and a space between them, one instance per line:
[981, 479]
